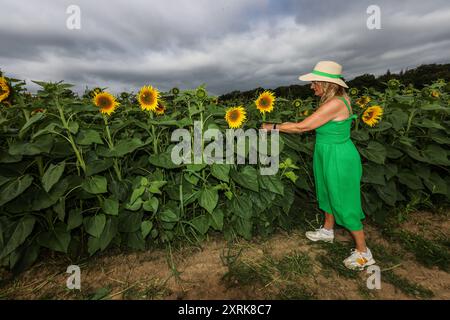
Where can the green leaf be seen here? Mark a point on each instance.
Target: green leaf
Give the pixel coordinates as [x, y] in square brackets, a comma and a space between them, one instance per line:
[151, 204]
[388, 192]
[411, 180]
[272, 183]
[52, 175]
[75, 219]
[35, 118]
[88, 136]
[244, 228]
[163, 160]
[57, 239]
[375, 152]
[73, 127]
[241, 207]
[130, 221]
[135, 206]
[169, 215]
[111, 206]
[136, 241]
[14, 188]
[22, 230]
[209, 198]
[127, 146]
[109, 232]
[41, 145]
[221, 171]
[97, 166]
[201, 224]
[156, 185]
[291, 176]
[373, 173]
[247, 178]
[398, 118]
[393, 153]
[60, 208]
[95, 225]
[216, 219]
[146, 227]
[436, 184]
[436, 155]
[427, 123]
[94, 184]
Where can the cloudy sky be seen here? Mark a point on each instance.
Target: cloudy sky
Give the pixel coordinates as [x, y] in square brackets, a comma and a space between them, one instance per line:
[229, 44]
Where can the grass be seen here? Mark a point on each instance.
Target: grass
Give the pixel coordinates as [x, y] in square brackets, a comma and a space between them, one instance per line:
[296, 292]
[427, 252]
[406, 286]
[244, 274]
[295, 264]
[332, 260]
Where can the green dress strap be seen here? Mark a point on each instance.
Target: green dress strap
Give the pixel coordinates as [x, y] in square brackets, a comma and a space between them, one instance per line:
[346, 104]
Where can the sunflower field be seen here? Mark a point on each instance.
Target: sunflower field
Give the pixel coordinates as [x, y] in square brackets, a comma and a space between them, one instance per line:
[80, 174]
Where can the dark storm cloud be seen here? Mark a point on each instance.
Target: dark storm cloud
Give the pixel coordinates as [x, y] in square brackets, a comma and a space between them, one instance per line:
[231, 45]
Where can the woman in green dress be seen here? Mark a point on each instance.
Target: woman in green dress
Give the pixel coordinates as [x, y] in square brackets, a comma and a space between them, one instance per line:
[336, 161]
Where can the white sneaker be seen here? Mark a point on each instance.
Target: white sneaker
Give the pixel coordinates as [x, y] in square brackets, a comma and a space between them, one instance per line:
[321, 234]
[359, 260]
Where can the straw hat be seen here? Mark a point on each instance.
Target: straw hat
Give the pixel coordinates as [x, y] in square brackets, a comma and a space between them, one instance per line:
[328, 71]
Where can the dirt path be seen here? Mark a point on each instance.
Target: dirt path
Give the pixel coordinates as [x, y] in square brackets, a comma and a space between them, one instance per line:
[285, 266]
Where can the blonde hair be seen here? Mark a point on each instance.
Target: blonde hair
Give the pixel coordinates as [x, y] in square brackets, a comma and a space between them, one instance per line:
[331, 90]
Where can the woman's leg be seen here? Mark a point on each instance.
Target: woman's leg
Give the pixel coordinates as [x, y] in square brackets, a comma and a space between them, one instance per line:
[360, 240]
[329, 221]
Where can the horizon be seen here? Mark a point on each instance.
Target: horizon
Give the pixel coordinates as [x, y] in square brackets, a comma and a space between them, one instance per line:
[215, 44]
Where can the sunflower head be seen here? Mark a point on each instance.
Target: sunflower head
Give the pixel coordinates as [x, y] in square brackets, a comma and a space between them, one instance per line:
[148, 98]
[372, 115]
[235, 117]
[363, 101]
[201, 93]
[175, 91]
[298, 103]
[393, 84]
[106, 102]
[160, 108]
[435, 94]
[4, 89]
[353, 91]
[265, 102]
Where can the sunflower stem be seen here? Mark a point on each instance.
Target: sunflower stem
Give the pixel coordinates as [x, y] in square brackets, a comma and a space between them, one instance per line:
[155, 139]
[111, 147]
[69, 136]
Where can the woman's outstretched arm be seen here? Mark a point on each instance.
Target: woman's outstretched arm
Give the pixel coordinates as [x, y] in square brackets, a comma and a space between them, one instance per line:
[326, 112]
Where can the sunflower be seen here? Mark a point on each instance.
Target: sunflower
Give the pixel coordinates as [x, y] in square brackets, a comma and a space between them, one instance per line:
[353, 91]
[201, 93]
[372, 115]
[148, 98]
[265, 101]
[297, 103]
[4, 89]
[435, 94]
[393, 84]
[363, 101]
[235, 116]
[160, 109]
[106, 102]
[175, 91]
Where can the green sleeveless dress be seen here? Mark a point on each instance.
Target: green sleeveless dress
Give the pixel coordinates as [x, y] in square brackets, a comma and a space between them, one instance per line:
[337, 172]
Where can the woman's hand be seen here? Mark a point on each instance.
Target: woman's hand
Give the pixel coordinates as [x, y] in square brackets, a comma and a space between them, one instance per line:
[267, 126]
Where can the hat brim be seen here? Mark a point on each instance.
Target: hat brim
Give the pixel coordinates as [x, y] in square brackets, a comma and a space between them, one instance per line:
[315, 77]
